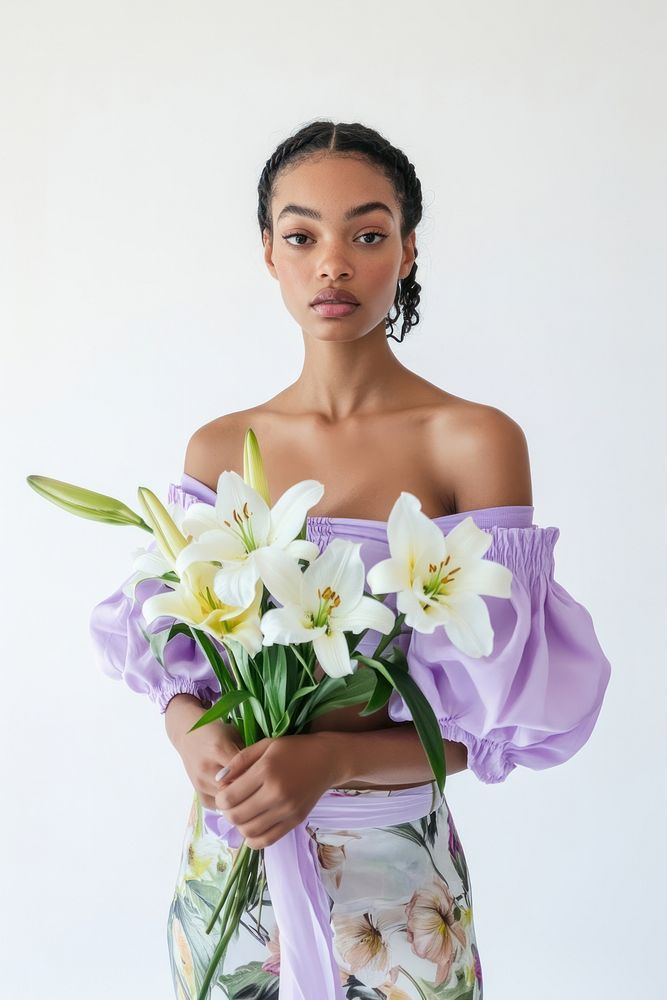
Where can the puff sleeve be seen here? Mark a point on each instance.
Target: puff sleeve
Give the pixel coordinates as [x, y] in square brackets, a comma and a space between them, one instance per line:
[119, 634]
[535, 698]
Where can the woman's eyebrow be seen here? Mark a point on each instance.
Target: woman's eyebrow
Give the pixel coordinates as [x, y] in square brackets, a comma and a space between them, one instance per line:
[352, 213]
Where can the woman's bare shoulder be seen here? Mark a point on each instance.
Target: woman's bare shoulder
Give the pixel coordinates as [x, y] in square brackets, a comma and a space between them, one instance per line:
[485, 453]
[471, 420]
[218, 445]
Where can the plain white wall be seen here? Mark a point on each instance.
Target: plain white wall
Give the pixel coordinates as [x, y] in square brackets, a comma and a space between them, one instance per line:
[136, 307]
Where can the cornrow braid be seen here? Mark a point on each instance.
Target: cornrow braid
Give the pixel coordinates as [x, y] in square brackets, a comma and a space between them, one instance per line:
[344, 137]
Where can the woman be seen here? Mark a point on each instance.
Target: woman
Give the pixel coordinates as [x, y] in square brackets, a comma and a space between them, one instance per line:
[338, 210]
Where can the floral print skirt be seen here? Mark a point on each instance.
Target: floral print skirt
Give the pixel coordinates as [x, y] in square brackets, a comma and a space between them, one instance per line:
[400, 905]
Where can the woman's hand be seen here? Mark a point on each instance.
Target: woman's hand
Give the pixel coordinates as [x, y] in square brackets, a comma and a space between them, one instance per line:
[203, 751]
[272, 785]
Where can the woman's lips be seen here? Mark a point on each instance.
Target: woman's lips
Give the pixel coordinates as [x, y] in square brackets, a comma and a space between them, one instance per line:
[335, 308]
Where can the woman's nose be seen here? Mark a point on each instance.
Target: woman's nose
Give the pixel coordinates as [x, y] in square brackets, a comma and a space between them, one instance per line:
[334, 263]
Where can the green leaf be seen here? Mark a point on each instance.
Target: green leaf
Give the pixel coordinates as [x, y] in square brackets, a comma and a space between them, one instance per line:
[157, 642]
[281, 679]
[357, 688]
[422, 714]
[302, 660]
[283, 725]
[380, 697]
[260, 716]
[269, 684]
[214, 657]
[222, 708]
[353, 639]
[397, 658]
[324, 689]
[245, 668]
[301, 692]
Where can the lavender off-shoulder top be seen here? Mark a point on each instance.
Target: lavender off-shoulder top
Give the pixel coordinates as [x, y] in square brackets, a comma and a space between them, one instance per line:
[533, 700]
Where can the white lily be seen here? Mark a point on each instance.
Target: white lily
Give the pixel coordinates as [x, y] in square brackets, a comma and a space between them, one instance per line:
[320, 603]
[438, 579]
[194, 602]
[149, 561]
[240, 525]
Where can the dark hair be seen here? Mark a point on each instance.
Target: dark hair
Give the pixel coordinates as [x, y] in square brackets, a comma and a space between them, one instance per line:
[353, 138]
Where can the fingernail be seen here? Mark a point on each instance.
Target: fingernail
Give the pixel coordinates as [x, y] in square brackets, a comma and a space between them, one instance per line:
[221, 773]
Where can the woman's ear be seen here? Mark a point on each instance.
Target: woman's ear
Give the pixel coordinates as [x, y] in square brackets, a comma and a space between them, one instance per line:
[267, 240]
[409, 255]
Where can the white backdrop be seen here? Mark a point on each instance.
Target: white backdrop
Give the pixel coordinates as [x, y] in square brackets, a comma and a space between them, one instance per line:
[136, 307]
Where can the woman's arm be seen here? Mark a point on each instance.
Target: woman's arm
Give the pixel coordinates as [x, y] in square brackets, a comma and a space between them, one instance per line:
[385, 757]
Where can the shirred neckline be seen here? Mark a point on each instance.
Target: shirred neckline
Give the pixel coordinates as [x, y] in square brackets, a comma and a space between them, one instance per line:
[509, 515]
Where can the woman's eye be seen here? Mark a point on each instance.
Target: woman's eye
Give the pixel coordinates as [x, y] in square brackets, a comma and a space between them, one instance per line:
[373, 233]
[293, 236]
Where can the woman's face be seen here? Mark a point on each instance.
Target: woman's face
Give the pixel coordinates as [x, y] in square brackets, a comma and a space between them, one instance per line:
[315, 246]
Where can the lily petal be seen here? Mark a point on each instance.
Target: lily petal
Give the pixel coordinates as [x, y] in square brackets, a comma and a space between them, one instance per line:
[285, 625]
[339, 567]
[468, 624]
[414, 539]
[388, 576]
[281, 574]
[179, 603]
[301, 548]
[289, 511]
[202, 552]
[420, 618]
[234, 494]
[248, 633]
[198, 518]
[234, 583]
[151, 563]
[485, 577]
[333, 655]
[466, 542]
[368, 613]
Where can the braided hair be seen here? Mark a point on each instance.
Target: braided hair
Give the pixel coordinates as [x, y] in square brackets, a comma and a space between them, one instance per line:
[343, 137]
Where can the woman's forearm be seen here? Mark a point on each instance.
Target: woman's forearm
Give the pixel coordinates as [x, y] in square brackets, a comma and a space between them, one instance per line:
[181, 713]
[386, 757]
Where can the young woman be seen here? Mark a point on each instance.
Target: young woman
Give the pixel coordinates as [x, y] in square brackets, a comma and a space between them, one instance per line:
[338, 210]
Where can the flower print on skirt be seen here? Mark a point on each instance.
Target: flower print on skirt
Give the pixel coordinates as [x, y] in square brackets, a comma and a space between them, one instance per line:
[400, 908]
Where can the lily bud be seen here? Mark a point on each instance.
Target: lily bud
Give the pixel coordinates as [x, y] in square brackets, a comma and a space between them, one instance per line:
[169, 538]
[85, 503]
[253, 466]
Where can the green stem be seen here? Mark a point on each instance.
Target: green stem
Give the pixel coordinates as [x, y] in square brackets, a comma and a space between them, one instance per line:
[232, 922]
[261, 901]
[386, 639]
[234, 874]
[234, 666]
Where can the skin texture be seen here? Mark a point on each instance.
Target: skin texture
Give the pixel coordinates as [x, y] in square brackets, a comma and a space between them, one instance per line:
[367, 427]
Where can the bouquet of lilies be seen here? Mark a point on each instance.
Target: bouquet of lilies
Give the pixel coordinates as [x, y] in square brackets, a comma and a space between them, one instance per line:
[265, 607]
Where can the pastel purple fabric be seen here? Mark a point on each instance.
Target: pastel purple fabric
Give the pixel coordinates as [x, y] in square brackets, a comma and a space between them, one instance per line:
[533, 700]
